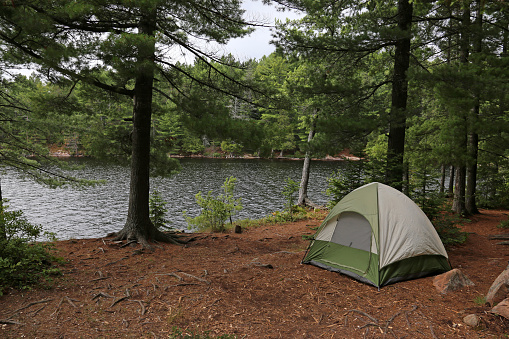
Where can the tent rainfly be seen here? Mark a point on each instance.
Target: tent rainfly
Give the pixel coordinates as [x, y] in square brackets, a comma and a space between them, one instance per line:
[378, 235]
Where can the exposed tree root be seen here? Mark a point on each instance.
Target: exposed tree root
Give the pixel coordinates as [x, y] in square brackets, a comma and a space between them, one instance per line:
[32, 304]
[148, 234]
[9, 322]
[309, 203]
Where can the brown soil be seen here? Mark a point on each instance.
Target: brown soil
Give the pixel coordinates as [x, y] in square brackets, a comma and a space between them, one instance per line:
[250, 285]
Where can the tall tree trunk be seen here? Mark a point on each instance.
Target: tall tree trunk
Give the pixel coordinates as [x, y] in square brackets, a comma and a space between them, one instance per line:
[458, 205]
[397, 123]
[450, 189]
[303, 189]
[473, 138]
[3, 234]
[138, 225]
[442, 179]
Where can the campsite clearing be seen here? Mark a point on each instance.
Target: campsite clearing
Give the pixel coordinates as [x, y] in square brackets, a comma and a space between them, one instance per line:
[250, 285]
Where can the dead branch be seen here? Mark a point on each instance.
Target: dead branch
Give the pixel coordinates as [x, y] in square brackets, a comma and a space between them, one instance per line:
[98, 279]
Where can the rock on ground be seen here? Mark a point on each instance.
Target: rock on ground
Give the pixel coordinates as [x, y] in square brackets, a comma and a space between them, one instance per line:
[451, 281]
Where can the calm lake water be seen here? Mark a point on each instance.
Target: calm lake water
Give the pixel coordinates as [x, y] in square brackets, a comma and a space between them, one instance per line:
[95, 211]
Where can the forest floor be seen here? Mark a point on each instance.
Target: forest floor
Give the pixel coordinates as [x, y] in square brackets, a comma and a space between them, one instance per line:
[250, 285]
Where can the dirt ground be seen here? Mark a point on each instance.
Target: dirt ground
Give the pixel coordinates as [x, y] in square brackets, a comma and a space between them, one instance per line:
[250, 285]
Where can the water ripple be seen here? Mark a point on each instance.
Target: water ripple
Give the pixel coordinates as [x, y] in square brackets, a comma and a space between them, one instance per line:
[95, 211]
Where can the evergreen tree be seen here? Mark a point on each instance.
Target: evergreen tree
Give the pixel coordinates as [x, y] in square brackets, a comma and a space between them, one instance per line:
[133, 41]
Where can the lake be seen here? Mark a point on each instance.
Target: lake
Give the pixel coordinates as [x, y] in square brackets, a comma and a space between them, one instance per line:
[91, 212]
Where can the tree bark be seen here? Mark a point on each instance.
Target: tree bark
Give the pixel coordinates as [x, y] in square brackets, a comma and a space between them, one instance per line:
[303, 189]
[397, 123]
[138, 225]
[458, 205]
[473, 138]
[442, 179]
[452, 171]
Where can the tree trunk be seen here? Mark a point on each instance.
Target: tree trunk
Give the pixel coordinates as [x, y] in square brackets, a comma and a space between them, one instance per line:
[138, 225]
[442, 179]
[473, 138]
[397, 123]
[458, 205]
[303, 189]
[452, 171]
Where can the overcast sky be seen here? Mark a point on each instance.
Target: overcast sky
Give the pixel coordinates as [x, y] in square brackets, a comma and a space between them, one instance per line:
[257, 44]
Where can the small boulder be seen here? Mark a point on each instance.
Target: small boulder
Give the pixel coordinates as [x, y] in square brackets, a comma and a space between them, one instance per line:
[502, 308]
[451, 281]
[499, 290]
[472, 320]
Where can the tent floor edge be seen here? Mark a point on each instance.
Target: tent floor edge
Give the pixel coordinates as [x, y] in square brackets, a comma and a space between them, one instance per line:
[413, 268]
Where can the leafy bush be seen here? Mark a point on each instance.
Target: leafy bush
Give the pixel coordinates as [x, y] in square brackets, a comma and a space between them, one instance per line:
[22, 261]
[288, 193]
[343, 181]
[444, 222]
[215, 211]
[157, 210]
[503, 224]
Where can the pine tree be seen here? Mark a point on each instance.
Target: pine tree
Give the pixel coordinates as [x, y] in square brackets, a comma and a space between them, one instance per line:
[133, 40]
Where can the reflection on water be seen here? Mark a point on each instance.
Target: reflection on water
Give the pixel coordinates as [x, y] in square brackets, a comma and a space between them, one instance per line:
[95, 211]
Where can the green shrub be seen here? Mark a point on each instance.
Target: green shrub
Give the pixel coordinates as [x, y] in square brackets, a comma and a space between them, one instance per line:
[503, 224]
[215, 211]
[291, 187]
[23, 262]
[345, 180]
[445, 223]
[158, 210]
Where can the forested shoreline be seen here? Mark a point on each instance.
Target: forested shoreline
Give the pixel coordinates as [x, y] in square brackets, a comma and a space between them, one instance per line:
[417, 90]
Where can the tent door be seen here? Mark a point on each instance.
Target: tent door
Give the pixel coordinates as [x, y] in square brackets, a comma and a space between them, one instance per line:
[354, 232]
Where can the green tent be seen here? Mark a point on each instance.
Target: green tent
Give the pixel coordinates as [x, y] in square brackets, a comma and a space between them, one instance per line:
[378, 235]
